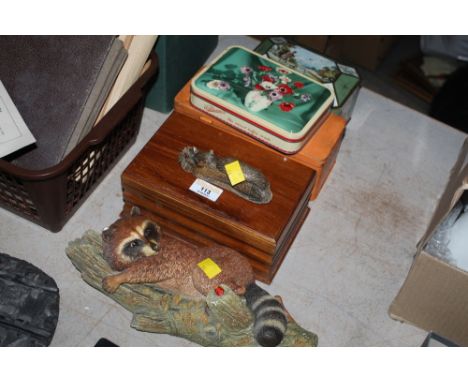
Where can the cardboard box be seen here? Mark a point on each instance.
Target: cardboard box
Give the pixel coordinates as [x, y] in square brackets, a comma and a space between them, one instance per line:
[434, 295]
[319, 153]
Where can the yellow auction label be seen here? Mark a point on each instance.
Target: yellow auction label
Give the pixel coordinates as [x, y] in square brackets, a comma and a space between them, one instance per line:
[234, 172]
[210, 268]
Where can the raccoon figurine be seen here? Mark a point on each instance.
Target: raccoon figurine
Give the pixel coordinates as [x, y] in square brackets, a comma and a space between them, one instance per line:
[134, 246]
[207, 166]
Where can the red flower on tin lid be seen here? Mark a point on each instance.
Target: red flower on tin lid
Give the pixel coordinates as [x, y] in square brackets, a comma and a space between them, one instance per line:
[219, 291]
[264, 68]
[284, 89]
[259, 87]
[267, 78]
[282, 71]
[286, 106]
[298, 85]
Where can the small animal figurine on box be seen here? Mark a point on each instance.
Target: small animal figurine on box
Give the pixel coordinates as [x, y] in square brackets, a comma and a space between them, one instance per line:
[263, 99]
[134, 246]
[210, 167]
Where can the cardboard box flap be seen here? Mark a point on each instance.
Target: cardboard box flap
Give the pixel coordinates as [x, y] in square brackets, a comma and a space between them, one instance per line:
[457, 183]
[433, 298]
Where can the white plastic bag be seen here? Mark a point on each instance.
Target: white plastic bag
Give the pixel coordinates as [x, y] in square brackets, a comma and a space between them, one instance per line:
[458, 241]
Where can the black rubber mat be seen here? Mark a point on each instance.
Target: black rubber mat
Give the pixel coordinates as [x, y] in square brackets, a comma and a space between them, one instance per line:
[29, 304]
[105, 343]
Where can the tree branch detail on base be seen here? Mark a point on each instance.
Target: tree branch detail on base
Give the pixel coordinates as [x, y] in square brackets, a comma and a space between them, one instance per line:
[218, 321]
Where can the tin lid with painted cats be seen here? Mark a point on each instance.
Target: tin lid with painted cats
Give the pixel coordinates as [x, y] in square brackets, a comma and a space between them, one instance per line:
[263, 92]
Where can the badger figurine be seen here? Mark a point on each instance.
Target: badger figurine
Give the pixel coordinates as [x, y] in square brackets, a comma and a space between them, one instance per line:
[134, 246]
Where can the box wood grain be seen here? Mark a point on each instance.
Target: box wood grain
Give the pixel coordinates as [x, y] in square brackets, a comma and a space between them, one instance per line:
[263, 233]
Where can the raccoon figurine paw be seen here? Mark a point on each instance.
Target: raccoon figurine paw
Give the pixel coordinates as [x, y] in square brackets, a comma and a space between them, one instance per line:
[110, 284]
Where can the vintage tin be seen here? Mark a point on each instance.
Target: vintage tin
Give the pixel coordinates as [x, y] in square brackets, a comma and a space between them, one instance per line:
[271, 103]
[343, 81]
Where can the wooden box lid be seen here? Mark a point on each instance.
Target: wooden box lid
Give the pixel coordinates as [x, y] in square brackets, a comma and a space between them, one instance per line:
[155, 175]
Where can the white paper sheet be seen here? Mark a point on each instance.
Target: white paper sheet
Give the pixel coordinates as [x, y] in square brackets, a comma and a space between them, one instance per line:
[14, 134]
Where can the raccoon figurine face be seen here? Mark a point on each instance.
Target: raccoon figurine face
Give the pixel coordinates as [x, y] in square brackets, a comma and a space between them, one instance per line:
[129, 239]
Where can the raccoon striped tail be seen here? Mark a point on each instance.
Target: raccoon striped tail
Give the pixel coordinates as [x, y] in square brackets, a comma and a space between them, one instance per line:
[270, 317]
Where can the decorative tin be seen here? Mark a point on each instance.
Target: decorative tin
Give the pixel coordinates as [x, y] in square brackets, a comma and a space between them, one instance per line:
[267, 101]
[343, 81]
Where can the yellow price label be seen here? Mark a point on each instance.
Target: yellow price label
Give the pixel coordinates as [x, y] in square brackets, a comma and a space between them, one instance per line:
[209, 267]
[234, 172]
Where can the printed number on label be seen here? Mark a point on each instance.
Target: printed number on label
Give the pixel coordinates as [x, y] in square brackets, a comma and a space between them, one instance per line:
[206, 189]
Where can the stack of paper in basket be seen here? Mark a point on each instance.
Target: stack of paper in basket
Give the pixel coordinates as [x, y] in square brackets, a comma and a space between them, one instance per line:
[58, 88]
[246, 108]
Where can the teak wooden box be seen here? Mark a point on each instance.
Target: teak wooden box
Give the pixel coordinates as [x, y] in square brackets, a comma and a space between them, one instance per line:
[319, 153]
[263, 233]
